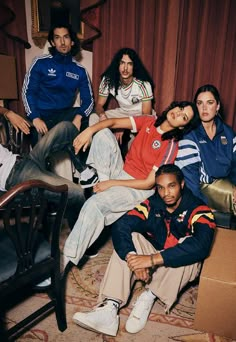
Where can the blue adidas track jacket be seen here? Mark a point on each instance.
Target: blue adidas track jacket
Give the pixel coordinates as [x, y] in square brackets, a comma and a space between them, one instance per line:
[52, 83]
[203, 160]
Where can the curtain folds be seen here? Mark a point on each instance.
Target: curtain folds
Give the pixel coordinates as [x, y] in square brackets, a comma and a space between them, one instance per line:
[183, 43]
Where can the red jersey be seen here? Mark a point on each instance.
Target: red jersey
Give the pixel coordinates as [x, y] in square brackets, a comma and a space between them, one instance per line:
[148, 151]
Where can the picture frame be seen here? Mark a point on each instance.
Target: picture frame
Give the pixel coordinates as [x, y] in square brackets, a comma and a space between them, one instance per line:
[40, 10]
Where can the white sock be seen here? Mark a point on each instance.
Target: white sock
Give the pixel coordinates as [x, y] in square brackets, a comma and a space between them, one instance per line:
[87, 173]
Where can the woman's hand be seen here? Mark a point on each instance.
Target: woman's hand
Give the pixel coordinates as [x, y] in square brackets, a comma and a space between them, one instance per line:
[102, 186]
[83, 140]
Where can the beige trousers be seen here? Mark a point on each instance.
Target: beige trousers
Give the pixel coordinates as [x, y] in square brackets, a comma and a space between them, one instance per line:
[166, 282]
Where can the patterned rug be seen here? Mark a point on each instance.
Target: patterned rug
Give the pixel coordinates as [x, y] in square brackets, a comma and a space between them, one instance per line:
[81, 295]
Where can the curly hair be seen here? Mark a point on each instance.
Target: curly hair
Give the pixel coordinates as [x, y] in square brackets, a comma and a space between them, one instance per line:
[75, 49]
[112, 75]
[178, 133]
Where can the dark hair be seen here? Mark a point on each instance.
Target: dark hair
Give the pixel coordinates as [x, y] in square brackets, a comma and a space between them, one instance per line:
[178, 133]
[112, 75]
[75, 49]
[212, 89]
[170, 169]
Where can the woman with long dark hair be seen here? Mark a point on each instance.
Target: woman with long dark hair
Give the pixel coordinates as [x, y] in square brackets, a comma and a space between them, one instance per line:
[125, 184]
[207, 155]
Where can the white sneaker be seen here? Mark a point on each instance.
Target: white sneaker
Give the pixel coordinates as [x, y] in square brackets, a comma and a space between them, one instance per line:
[88, 178]
[139, 315]
[103, 319]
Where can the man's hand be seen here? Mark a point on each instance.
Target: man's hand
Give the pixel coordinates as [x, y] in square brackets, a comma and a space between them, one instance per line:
[102, 117]
[136, 262]
[18, 122]
[143, 274]
[143, 261]
[83, 140]
[40, 126]
[77, 121]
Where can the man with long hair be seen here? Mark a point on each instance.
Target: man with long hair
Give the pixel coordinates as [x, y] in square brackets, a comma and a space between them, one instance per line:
[51, 86]
[53, 81]
[128, 81]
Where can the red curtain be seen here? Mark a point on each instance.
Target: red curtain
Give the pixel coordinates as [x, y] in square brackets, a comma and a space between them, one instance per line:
[183, 43]
[13, 23]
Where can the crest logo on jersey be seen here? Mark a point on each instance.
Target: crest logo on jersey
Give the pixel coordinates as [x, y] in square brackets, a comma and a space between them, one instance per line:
[156, 144]
[223, 140]
[52, 72]
[135, 100]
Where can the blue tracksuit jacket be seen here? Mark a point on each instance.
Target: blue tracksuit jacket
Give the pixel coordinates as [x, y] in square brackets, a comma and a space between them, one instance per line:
[52, 83]
[203, 160]
[192, 218]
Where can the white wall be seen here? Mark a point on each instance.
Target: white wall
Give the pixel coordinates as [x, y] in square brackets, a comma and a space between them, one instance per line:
[86, 61]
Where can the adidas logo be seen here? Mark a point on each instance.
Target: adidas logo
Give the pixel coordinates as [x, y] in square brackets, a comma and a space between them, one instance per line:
[51, 72]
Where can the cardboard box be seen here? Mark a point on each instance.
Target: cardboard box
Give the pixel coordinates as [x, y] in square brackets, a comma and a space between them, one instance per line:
[8, 81]
[216, 302]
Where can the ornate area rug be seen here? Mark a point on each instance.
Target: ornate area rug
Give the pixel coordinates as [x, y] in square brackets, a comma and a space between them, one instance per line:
[81, 295]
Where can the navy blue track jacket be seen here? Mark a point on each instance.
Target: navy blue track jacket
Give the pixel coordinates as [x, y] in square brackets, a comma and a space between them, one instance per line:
[192, 218]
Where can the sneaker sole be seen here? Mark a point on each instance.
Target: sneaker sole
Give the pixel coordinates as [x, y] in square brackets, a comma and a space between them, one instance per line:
[91, 256]
[101, 331]
[86, 186]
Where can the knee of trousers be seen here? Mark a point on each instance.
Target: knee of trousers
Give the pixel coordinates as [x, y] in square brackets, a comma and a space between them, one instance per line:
[106, 138]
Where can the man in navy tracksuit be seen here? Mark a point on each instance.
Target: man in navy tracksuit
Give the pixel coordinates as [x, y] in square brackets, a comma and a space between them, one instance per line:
[162, 242]
[52, 83]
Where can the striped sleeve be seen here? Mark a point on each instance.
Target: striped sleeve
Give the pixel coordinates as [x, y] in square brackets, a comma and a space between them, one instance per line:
[146, 91]
[103, 88]
[141, 210]
[189, 161]
[188, 153]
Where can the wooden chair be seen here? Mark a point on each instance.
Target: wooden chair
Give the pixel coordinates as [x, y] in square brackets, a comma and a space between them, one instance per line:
[17, 142]
[29, 252]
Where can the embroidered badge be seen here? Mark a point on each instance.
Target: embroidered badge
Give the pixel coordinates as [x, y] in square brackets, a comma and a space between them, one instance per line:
[223, 140]
[71, 75]
[135, 100]
[156, 144]
[182, 216]
[52, 72]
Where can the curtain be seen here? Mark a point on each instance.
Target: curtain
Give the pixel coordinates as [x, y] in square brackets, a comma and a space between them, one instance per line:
[183, 44]
[13, 41]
